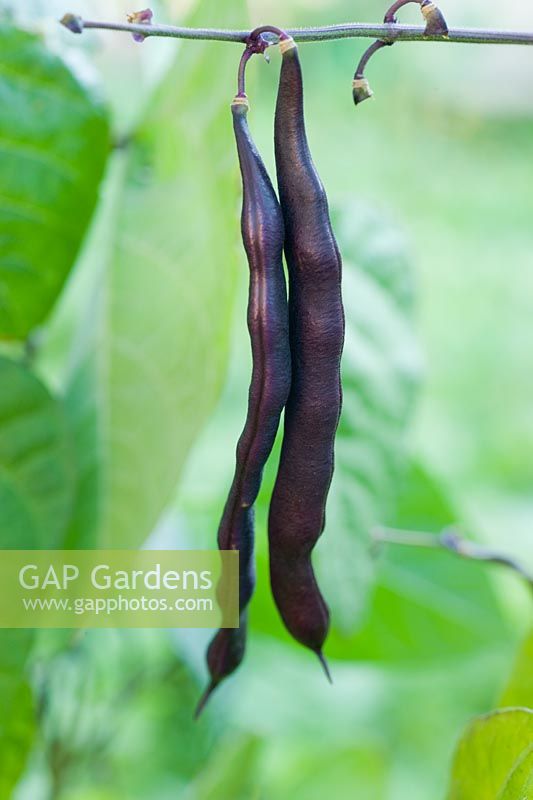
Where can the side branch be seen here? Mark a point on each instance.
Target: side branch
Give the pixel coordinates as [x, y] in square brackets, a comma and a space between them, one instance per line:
[453, 542]
[355, 30]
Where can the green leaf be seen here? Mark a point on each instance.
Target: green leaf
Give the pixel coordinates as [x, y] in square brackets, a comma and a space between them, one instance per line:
[494, 758]
[379, 248]
[381, 370]
[36, 467]
[426, 605]
[54, 143]
[152, 349]
[519, 691]
[519, 785]
[17, 721]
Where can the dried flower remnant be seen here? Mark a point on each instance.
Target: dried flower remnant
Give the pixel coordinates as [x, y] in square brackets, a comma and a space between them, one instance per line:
[361, 90]
[73, 22]
[435, 23]
[143, 17]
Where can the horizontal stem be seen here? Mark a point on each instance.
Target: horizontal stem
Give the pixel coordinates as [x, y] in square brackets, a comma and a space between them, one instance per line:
[453, 542]
[404, 33]
[169, 31]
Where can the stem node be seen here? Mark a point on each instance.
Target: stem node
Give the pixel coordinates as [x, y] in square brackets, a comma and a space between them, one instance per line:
[72, 22]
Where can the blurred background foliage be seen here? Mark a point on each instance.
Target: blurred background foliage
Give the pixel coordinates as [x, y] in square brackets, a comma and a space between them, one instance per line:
[123, 378]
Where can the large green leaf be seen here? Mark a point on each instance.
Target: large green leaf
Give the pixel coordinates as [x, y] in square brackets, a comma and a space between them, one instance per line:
[380, 372]
[154, 322]
[426, 605]
[494, 758]
[17, 720]
[53, 146]
[519, 785]
[37, 474]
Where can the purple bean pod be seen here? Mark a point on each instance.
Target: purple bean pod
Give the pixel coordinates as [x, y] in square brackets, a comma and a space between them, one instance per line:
[268, 324]
[316, 325]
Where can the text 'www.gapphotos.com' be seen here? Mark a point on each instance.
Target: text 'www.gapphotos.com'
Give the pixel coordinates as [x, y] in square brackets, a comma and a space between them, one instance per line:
[111, 605]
